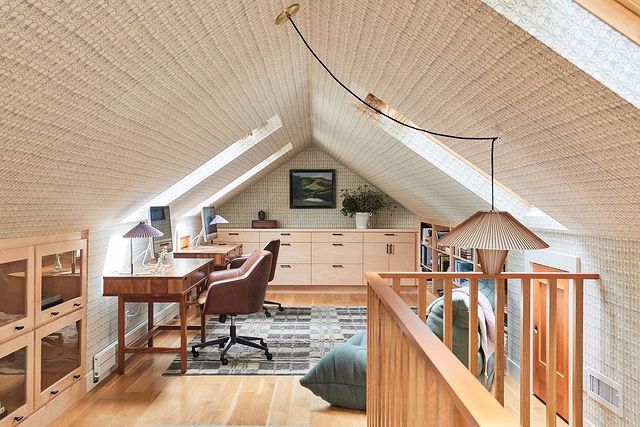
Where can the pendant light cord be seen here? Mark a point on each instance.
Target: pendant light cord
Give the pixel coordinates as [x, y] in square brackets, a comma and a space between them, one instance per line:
[429, 132]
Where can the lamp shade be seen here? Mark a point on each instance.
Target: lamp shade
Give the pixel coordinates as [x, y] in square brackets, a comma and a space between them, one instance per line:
[143, 230]
[218, 220]
[496, 230]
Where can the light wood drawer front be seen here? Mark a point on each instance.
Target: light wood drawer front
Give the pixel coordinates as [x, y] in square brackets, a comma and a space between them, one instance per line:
[292, 274]
[338, 253]
[284, 236]
[336, 274]
[238, 236]
[337, 237]
[247, 248]
[295, 252]
[391, 237]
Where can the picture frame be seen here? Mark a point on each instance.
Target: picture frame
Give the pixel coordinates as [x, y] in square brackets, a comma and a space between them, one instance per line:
[312, 188]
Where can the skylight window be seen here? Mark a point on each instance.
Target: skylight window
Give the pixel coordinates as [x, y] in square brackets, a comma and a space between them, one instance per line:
[240, 180]
[456, 166]
[216, 163]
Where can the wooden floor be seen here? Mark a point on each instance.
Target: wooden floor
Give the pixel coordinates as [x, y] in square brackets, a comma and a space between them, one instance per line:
[144, 397]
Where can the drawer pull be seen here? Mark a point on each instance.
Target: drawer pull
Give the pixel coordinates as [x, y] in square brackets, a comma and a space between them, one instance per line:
[18, 418]
[77, 304]
[285, 234]
[54, 392]
[389, 234]
[285, 244]
[234, 234]
[55, 313]
[337, 244]
[285, 266]
[337, 234]
[19, 328]
[338, 266]
[76, 377]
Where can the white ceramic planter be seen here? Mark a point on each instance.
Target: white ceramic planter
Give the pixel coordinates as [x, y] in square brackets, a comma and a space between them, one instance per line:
[362, 219]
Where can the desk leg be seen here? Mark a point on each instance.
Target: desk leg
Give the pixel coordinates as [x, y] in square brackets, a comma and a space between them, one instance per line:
[121, 343]
[183, 334]
[150, 322]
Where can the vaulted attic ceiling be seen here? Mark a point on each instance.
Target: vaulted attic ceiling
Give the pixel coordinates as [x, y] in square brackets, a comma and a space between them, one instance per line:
[106, 105]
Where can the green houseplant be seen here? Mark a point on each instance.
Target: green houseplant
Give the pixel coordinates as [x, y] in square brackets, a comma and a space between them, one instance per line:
[362, 202]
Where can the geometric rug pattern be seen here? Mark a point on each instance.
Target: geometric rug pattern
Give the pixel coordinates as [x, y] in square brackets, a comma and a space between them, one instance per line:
[297, 337]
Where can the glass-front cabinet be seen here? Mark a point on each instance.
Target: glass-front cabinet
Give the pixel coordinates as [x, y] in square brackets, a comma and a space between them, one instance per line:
[16, 379]
[60, 356]
[16, 291]
[61, 274]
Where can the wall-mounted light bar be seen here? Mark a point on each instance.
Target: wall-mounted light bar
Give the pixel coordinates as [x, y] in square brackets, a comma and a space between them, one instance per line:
[241, 179]
[216, 163]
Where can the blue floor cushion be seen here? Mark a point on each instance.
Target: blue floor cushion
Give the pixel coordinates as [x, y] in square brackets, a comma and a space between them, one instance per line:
[340, 377]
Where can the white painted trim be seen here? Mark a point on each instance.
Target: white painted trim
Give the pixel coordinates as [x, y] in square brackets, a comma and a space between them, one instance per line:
[568, 263]
[513, 369]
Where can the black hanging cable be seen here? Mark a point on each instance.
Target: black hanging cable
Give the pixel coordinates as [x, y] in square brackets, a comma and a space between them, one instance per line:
[470, 138]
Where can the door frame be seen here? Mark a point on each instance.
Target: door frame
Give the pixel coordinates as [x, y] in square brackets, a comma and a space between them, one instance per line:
[567, 263]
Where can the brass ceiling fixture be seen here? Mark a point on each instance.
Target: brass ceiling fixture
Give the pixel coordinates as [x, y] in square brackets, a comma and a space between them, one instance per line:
[492, 233]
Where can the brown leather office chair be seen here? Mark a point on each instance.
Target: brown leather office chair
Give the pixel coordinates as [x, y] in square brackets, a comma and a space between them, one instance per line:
[274, 247]
[233, 292]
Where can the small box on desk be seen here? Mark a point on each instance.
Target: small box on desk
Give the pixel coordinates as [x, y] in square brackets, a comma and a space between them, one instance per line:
[264, 223]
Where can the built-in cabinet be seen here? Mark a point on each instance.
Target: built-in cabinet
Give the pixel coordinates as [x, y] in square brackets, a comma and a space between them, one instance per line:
[43, 294]
[330, 257]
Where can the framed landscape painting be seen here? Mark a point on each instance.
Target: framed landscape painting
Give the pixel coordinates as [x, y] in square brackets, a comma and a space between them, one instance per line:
[312, 188]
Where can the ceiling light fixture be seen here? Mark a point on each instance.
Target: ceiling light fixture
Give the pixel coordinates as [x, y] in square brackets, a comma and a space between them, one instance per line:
[493, 233]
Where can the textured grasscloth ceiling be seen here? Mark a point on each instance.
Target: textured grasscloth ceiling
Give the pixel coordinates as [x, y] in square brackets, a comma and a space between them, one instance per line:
[105, 104]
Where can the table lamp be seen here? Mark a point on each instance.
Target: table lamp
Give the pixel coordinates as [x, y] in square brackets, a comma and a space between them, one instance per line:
[218, 220]
[141, 231]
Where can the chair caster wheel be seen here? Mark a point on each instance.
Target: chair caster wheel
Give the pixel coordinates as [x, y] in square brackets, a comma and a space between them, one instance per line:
[268, 314]
[221, 345]
[280, 308]
[195, 352]
[262, 343]
[224, 360]
[269, 356]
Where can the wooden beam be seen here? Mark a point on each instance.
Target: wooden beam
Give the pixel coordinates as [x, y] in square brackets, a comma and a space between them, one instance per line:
[473, 326]
[525, 354]
[552, 350]
[499, 355]
[575, 400]
[448, 314]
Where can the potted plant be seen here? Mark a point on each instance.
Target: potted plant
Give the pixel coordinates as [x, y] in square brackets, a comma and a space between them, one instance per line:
[362, 203]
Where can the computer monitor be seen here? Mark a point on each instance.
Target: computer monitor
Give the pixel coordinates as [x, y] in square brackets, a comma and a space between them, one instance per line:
[210, 230]
[160, 218]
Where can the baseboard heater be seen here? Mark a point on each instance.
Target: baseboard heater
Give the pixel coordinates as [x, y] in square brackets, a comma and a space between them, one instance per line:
[106, 360]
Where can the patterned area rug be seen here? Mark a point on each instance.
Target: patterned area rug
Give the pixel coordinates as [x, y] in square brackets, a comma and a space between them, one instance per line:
[297, 337]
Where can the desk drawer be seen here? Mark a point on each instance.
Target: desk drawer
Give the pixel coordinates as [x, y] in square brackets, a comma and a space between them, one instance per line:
[292, 274]
[239, 236]
[295, 252]
[338, 253]
[390, 237]
[337, 237]
[284, 236]
[336, 274]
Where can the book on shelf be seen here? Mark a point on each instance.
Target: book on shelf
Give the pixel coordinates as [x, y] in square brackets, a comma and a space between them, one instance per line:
[443, 262]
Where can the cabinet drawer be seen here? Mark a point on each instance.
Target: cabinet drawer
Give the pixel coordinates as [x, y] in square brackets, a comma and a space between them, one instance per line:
[337, 237]
[16, 292]
[336, 274]
[238, 236]
[390, 237]
[295, 252]
[292, 274]
[338, 253]
[284, 236]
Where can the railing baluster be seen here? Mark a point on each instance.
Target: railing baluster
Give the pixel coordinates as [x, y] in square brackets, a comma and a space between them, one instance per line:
[552, 350]
[525, 354]
[396, 285]
[499, 355]
[575, 412]
[448, 314]
[422, 300]
[473, 326]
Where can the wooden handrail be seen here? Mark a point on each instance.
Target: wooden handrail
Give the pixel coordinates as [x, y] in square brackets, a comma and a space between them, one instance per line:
[416, 350]
[391, 325]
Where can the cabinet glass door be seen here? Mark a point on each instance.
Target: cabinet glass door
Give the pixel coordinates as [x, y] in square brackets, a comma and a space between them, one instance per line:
[60, 275]
[16, 292]
[59, 355]
[16, 379]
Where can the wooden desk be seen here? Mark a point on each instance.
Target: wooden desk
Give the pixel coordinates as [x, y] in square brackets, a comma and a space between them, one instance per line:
[222, 254]
[174, 285]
